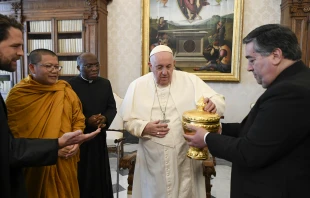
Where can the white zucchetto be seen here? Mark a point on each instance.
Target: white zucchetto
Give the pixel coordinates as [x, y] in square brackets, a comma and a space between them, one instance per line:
[160, 48]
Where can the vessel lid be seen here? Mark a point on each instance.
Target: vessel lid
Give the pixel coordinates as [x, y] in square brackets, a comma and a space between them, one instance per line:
[199, 115]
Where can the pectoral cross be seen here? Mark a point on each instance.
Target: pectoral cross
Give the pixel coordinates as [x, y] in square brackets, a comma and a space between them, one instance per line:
[164, 119]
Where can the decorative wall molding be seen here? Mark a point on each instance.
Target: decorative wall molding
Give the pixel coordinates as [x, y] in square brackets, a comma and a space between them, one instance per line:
[299, 9]
[307, 8]
[52, 5]
[17, 6]
[93, 8]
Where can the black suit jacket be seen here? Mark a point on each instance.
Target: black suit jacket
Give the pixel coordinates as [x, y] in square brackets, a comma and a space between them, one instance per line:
[18, 153]
[270, 149]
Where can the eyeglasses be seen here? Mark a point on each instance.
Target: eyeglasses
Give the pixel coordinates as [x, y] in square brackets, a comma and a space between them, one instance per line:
[52, 67]
[89, 66]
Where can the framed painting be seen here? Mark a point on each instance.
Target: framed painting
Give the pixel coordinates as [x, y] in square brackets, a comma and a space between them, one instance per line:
[204, 35]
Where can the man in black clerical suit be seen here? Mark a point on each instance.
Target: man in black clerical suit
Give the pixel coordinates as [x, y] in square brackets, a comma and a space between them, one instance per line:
[270, 148]
[16, 153]
[99, 109]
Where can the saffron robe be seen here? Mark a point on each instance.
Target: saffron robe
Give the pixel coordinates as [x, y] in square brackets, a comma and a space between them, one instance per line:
[162, 168]
[46, 111]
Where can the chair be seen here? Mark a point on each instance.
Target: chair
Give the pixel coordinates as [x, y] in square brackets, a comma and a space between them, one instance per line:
[115, 138]
[129, 161]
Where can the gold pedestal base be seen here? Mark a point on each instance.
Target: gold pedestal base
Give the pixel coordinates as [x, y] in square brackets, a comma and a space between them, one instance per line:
[197, 153]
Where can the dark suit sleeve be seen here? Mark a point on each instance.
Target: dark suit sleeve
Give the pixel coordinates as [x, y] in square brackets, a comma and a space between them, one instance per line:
[231, 129]
[111, 106]
[23, 152]
[280, 124]
[32, 152]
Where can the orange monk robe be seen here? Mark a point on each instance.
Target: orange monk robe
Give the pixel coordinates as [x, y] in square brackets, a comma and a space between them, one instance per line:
[47, 111]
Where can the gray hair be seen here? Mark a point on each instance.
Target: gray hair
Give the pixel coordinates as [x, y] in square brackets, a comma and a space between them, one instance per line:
[267, 38]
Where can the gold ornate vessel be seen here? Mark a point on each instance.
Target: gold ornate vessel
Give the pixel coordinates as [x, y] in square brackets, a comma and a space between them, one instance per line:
[199, 117]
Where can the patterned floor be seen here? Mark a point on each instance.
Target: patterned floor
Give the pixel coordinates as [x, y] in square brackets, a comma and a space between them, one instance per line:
[221, 183]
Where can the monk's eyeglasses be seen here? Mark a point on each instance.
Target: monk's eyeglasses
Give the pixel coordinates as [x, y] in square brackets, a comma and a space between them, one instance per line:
[89, 66]
[52, 67]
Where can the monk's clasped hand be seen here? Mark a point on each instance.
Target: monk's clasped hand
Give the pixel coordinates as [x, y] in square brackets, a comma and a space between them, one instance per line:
[97, 120]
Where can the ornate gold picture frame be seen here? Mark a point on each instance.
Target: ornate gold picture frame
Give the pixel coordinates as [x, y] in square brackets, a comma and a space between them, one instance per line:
[205, 35]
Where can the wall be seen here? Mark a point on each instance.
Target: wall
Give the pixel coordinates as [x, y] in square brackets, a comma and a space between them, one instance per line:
[124, 52]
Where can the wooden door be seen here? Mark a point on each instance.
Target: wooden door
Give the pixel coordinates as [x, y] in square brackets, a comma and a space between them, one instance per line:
[296, 15]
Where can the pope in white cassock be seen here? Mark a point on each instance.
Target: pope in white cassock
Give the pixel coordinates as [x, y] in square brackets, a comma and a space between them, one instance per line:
[152, 110]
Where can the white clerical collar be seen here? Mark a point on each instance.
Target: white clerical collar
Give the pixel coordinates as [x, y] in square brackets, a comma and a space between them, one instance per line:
[89, 81]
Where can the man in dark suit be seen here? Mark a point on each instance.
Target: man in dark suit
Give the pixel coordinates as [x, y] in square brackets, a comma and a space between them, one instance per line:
[17, 153]
[99, 108]
[270, 149]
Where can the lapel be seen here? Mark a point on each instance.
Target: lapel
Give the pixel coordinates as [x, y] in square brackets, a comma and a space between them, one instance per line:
[248, 120]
